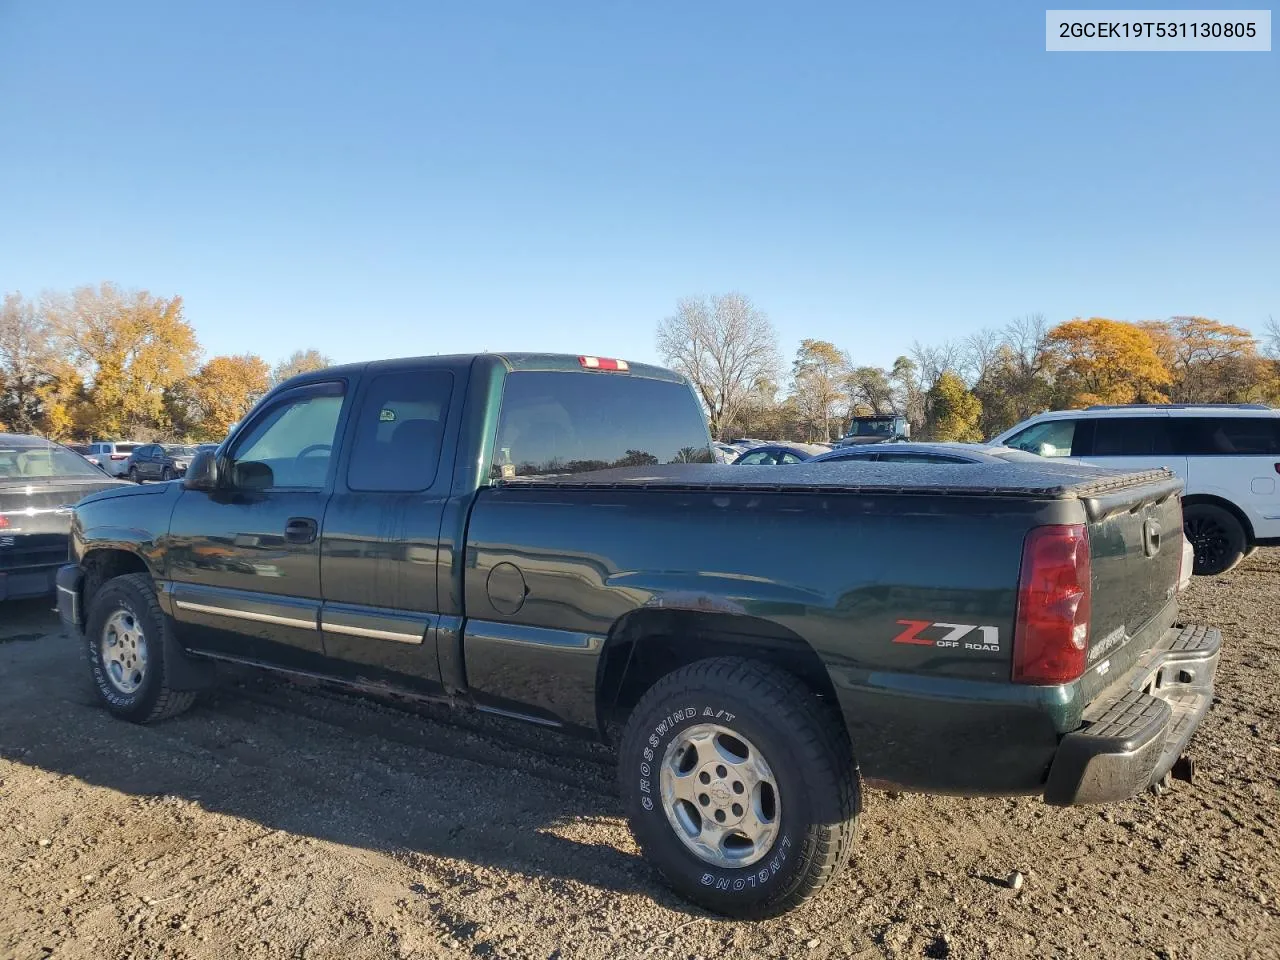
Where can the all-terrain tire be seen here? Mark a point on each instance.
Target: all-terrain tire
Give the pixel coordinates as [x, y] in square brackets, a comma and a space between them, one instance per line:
[804, 743]
[1217, 537]
[134, 595]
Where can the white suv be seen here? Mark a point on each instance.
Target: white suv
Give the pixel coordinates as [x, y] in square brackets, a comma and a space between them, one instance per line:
[1228, 455]
[112, 457]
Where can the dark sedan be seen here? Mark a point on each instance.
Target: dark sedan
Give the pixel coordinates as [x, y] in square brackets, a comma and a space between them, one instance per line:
[39, 483]
[930, 453]
[159, 461]
[775, 453]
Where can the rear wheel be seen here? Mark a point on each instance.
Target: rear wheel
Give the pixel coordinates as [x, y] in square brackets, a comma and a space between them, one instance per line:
[740, 786]
[125, 637]
[1217, 537]
[133, 474]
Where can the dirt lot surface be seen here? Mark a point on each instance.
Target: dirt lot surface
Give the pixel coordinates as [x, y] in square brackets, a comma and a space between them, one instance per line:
[274, 821]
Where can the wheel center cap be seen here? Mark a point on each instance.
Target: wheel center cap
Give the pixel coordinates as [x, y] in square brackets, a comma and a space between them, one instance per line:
[719, 793]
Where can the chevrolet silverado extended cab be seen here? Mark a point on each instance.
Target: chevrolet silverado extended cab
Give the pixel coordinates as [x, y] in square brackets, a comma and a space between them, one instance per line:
[547, 538]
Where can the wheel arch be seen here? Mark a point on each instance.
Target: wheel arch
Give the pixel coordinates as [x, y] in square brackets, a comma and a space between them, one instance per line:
[647, 644]
[106, 563]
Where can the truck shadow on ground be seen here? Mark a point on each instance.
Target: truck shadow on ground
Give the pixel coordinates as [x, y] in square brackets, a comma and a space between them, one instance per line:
[336, 768]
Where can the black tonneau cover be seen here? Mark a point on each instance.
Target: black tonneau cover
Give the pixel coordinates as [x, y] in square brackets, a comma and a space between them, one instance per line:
[1050, 481]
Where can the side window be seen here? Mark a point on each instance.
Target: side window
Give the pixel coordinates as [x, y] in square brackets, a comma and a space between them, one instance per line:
[755, 459]
[1131, 437]
[564, 423]
[1228, 436]
[1053, 438]
[790, 458]
[290, 444]
[399, 431]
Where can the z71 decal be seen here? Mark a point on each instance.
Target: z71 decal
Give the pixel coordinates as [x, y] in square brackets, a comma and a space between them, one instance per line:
[953, 637]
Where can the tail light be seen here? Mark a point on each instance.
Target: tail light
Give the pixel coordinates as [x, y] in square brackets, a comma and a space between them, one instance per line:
[1051, 637]
[4, 522]
[119, 456]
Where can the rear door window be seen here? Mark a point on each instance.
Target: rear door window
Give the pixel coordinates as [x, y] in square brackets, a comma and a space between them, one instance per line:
[1228, 436]
[554, 424]
[399, 432]
[1132, 437]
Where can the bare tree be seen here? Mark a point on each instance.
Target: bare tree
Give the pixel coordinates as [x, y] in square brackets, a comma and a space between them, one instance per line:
[300, 361]
[1271, 338]
[724, 345]
[933, 360]
[1027, 337]
[980, 353]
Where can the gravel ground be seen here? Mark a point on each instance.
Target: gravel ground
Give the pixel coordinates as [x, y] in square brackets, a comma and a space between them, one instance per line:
[276, 821]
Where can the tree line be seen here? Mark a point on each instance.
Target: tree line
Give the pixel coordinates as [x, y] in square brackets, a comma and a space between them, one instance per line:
[966, 389]
[100, 362]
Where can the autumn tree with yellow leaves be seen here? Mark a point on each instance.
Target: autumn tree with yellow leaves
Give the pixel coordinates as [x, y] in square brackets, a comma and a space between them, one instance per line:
[1105, 361]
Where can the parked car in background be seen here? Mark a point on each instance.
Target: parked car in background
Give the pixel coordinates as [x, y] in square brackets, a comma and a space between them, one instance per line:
[725, 453]
[40, 481]
[448, 528]
[159, 461]
[928, 453]
[877, 429]
[112, 455]
[85, 450]
[1227, 455]
[778, 453]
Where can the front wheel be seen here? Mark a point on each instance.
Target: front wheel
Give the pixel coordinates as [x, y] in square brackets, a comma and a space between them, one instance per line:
[740, 786]
[166, 474]
[1216, 536]
[125, 643]
[133, 475]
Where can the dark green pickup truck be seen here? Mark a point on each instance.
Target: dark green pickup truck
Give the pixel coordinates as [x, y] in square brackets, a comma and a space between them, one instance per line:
[546, 538]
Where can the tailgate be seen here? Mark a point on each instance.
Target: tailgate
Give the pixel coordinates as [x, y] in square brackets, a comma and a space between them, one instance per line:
[1135, 552]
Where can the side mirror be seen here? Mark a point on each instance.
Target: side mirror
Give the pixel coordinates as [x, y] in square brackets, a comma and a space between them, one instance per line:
[203, 472]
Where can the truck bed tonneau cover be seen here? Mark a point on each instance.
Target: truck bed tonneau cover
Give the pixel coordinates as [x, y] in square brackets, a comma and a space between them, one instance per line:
[1052, 481]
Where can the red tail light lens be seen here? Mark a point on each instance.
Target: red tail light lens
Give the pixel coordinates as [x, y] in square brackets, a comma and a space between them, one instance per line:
[604, 363]
[1051, 638]
[119, 456]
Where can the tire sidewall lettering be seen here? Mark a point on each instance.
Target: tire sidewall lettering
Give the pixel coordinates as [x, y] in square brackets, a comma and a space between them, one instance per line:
[647, 780]
[93, 641]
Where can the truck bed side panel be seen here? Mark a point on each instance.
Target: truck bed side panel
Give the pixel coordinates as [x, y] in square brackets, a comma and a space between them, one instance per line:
[884, 588]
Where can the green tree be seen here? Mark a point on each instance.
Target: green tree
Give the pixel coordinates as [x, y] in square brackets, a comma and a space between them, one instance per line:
[954, 412]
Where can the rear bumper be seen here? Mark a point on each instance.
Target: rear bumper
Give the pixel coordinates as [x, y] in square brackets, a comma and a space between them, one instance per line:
[1132, 740]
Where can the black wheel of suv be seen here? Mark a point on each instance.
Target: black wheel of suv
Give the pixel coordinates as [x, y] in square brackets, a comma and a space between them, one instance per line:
[1216, 536]
[166, 474]
[740, 786]
[133, 474]
[125, 643]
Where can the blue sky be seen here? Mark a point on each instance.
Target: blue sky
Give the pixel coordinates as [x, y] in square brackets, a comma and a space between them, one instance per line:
[383, 179]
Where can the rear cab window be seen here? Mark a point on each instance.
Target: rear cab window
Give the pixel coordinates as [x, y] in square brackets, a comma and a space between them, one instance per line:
[562, 423]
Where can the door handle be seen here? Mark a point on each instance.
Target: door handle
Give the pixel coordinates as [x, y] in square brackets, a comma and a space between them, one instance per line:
[300, 530]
